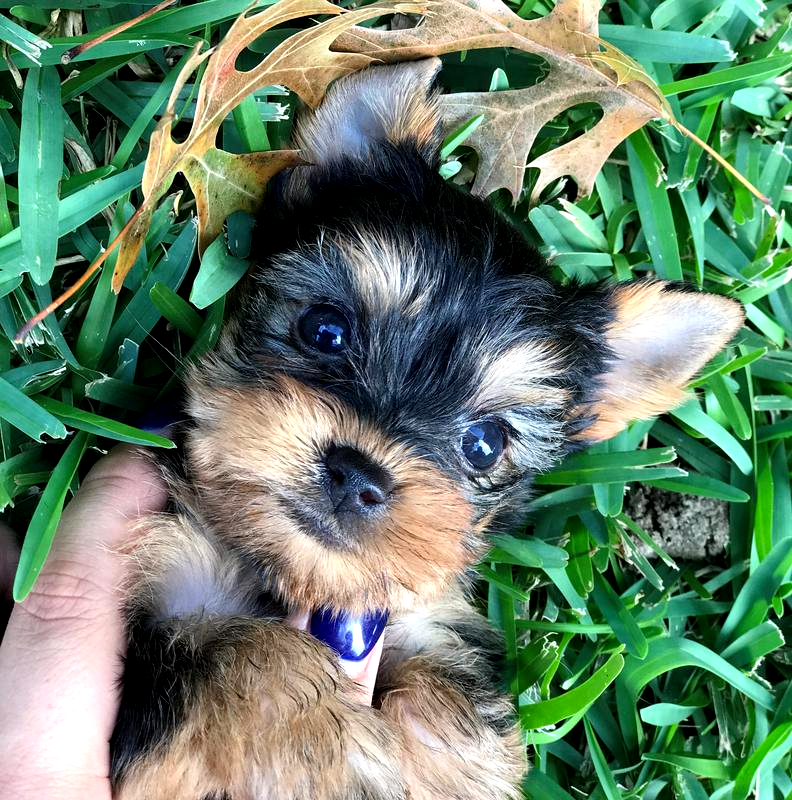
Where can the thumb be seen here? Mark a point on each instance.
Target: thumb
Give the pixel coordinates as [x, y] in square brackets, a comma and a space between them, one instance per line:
[364, 672]
[59, 659]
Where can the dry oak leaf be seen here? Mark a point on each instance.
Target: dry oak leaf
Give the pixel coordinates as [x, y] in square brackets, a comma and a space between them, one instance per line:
[223, 182]
[581, 68]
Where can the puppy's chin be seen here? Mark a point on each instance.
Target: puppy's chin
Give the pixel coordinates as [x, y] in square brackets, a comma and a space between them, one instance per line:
[256, 458]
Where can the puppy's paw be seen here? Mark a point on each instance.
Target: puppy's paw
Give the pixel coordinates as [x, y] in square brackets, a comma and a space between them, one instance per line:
[262, 713]
[449, 750]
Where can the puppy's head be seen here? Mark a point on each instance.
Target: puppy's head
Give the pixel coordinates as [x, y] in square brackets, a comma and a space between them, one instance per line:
[401, 364]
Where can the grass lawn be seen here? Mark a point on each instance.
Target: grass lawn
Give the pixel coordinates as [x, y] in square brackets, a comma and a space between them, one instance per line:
[636, 676]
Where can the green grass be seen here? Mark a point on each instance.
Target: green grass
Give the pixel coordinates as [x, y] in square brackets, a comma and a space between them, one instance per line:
[635, 677]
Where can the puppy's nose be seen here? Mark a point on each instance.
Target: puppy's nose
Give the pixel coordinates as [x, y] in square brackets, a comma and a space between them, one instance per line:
[354, 483]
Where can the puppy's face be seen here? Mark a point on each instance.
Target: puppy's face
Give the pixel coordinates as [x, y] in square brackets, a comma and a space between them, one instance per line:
[401, 366]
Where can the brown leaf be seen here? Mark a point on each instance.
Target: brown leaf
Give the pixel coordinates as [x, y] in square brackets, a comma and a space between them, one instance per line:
[581, 69]
[130, 242]
[583, 157]
[222, 182]
[625, 68]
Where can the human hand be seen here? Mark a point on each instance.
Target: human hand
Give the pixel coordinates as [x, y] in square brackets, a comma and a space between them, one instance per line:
[60, 658]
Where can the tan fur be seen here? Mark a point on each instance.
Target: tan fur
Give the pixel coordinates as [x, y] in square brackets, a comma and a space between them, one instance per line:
[273, 719]
[178, 569]
[519, 377]
[391, 99]
[447, 751]
[450, 749]
[262, 447]
[384, 271]
[647, 378]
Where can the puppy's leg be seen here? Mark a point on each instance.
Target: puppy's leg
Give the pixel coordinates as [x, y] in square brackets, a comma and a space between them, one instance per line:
[439, 684]
[219, 703]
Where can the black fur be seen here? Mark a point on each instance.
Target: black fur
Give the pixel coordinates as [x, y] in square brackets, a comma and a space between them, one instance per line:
[155, 689]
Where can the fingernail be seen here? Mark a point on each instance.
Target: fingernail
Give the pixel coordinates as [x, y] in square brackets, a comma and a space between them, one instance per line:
[351, 637]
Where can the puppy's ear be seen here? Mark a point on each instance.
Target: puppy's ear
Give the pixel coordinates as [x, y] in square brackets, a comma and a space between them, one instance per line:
[393, 104]
[659, 338]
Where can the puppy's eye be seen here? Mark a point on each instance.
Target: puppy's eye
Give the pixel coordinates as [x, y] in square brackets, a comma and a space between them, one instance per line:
[482, 444]
[326, 329]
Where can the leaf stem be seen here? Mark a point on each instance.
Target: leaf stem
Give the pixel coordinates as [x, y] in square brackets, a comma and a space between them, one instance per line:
[721, 160]
[20, 335]
[81, 48]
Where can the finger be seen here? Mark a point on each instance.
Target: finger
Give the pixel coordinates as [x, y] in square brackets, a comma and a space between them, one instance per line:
[364, 672]
[59, 660]
[357, 640]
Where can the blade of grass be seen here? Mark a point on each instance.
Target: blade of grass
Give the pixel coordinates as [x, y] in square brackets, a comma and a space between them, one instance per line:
[753, 603]
[27, 415]
[41, 532]
[654, 208]
[624, 626]
[102, 426]
[218, 274]
[549, 712]
[40, 166]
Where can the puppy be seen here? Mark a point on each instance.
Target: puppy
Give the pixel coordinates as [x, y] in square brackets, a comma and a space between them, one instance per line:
[397, 368]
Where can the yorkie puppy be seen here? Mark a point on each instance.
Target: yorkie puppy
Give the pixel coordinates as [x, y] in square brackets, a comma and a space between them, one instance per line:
[397, 368]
